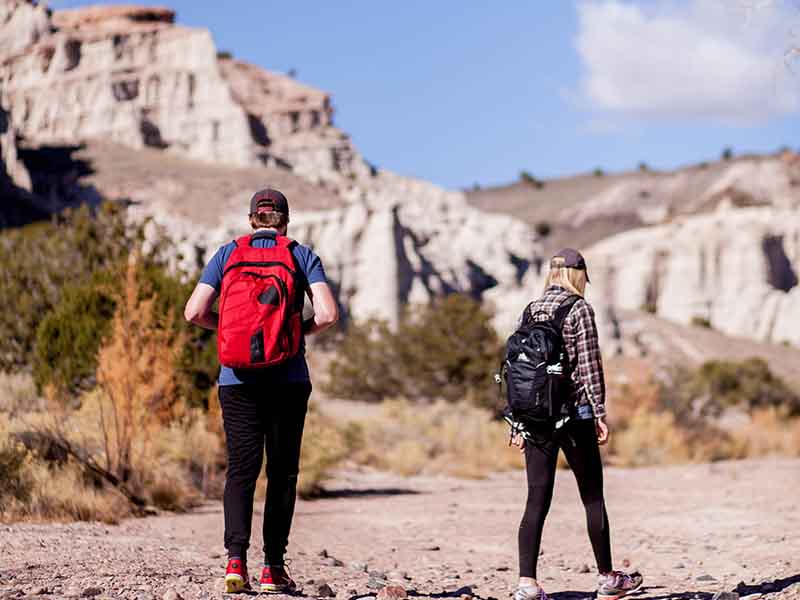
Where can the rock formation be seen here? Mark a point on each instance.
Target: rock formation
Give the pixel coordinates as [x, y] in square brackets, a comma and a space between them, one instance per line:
[735, 269]
[130, 74]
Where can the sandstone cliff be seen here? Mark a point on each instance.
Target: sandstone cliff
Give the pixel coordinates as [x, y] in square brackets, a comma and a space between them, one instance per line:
[131, 75]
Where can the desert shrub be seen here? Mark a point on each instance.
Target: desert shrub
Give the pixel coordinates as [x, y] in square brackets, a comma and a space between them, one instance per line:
[727, 153]
[543, 229]
[598, 172]
[649, 307]
[326, 443]
[649, 438]
[38, 261]
[643, 167]
[526, 177]
[136, 372]
[58, 275]
[69, 336]
[447, 349]
[698, 321]
[441, 438]
[747, 384]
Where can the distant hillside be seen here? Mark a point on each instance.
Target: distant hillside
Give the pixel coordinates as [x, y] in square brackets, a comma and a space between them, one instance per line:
[583, 209]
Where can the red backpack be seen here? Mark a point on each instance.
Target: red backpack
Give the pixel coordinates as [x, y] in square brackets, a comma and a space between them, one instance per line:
[260, 305]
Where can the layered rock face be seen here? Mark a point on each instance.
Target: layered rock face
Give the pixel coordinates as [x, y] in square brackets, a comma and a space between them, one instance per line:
[12, 172]
[736, 269]
[131, 75]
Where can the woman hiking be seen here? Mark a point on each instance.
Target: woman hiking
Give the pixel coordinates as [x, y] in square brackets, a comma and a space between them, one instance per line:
[579, 435]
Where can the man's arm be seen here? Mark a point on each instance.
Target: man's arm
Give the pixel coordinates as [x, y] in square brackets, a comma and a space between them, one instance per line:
[326, 311]
[199, 307]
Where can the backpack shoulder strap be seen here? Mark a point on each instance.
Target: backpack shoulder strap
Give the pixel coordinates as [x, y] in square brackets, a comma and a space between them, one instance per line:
[563, 310]
[243, 242]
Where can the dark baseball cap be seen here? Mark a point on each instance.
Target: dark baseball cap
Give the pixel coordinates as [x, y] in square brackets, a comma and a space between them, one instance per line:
[269, 198]
[572, 259]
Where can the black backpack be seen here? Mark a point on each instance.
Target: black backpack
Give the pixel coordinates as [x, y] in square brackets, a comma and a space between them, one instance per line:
[536, 370]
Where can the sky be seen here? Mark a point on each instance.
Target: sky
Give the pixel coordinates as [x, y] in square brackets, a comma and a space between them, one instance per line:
[461, 92]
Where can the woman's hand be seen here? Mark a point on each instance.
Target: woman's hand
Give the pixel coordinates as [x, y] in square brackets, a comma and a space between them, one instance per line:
[518, 441]
[601, 427]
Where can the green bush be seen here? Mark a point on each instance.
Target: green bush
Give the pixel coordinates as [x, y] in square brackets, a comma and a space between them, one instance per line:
[526, 177]
[447, 349]
[699, 321]
[61, 278]
[38, 262]
[727, 153]
[720, 384]
[68, 338]
[598, 172]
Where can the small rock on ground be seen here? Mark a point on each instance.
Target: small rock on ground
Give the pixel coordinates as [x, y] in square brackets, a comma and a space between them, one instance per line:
[171, 594]
[392, 592]
[323, 590]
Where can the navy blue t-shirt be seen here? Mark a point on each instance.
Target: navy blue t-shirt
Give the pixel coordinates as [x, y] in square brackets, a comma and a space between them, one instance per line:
[293, 370]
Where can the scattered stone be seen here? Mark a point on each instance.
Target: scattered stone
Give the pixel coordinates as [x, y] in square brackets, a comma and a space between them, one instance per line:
[392, 592]
[726, 596]
[90, 592]
[323, 553]
[432, 548]
[584, 568]
[323, 590]
[38, 590]
[626, 563]
[397, 575]
[502, 568]
[332, 562]
[679, 566]
[705, 578]
[171, 594]
[358, 566]
[214, 555]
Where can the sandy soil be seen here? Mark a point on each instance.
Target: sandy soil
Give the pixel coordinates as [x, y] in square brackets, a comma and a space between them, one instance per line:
[692, 530]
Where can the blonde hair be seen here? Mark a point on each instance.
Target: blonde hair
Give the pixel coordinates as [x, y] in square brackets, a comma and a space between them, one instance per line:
[271, 219]
[571, 279]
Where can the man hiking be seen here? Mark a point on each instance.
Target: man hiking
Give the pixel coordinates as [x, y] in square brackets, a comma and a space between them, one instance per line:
[261, 281]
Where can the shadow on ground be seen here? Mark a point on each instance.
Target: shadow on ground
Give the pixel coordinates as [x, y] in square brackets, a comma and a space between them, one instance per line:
[365, 493]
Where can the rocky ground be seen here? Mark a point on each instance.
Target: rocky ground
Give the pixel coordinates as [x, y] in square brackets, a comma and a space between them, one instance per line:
[693, 531]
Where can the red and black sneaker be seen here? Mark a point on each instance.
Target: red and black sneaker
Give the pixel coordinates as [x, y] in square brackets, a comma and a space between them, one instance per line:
[236, 579]
[276, 580]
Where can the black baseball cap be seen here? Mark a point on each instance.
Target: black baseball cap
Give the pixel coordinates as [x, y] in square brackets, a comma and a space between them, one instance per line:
[572, 259]
[269, 197]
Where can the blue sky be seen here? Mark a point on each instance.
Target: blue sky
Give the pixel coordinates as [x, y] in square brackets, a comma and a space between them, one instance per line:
[459, 92]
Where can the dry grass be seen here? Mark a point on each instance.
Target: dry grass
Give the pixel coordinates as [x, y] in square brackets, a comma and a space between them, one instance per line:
[452, 439]
[326, 443]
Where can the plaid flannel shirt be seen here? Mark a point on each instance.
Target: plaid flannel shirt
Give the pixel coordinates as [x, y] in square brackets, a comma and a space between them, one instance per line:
[582, 345]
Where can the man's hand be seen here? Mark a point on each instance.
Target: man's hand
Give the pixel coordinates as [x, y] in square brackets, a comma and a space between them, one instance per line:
[602, 430]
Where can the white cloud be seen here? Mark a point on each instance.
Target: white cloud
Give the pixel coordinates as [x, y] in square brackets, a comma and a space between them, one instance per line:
[708, 59]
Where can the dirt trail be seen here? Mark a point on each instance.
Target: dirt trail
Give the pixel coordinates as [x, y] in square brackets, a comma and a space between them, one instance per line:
[692, 530]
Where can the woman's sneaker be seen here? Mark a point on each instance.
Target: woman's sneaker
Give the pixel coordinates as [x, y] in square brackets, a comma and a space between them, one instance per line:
[530, 592]
[276, 580]
[236, 577]
[617, 584]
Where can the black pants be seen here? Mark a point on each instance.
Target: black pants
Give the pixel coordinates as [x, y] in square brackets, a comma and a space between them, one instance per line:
[578, 440]
[258, 418]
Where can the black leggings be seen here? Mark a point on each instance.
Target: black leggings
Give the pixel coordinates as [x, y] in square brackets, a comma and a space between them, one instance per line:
[578, 440]
[258, 418]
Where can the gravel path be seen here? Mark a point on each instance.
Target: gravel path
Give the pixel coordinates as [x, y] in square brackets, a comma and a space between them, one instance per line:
[692, 530]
